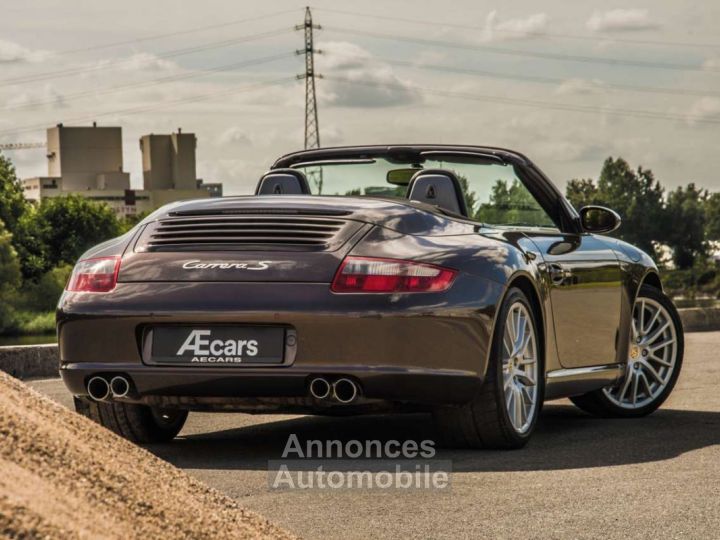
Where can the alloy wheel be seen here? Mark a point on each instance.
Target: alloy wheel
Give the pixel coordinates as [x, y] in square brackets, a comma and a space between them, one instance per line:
[520, 367]
[651, 358]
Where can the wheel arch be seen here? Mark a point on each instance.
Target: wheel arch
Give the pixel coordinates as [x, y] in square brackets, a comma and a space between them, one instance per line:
[527, 285]
[651, 278]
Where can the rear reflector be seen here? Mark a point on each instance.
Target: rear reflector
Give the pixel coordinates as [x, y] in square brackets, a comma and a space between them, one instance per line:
[372, 275]
[95, 275]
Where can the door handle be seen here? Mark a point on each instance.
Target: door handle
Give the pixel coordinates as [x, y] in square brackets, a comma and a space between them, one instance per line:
[558, 274]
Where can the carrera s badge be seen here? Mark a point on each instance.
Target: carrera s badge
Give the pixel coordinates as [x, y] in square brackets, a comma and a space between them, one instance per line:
[199, 265]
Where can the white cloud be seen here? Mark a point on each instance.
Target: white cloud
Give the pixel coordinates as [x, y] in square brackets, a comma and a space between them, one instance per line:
[12, 52]
[707, 108]
[47, 98]
[234, 135]
[430, 57]
[513, 28]
[573, 150]
[144, 61]
[712, 64]
[620, 20]
[532, 122]
[578, 86]
[331, 135]
[364, 81]
[240, 134]
[343, 55]
[240, 174]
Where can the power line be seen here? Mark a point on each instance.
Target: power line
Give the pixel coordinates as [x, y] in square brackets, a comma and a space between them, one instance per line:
[116, 63]
[516, 52]
[534, 103]
[154, 107]
[173, 34]
[519, 33]
[152, 82]
[528, 78]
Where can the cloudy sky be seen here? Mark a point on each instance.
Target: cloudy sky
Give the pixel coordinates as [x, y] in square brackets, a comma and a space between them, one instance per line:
[567, 83]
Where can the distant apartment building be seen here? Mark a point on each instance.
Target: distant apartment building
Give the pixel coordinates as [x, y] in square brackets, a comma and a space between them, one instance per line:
[88, 161]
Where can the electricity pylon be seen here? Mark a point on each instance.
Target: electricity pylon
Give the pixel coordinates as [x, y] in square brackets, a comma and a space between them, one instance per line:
[312, 129]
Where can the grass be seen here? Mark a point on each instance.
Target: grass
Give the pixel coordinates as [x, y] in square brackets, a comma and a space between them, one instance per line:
[29, 323]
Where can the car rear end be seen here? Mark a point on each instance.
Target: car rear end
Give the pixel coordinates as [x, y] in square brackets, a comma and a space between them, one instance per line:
[277, 306]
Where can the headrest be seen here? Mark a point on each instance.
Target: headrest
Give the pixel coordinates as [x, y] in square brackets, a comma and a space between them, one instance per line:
[439, 188]
[283, 182]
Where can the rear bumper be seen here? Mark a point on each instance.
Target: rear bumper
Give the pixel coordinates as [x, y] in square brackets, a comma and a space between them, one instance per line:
[419, 348]
[427, 386]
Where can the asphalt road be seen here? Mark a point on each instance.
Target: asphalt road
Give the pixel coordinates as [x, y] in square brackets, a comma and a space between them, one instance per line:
[580, 477]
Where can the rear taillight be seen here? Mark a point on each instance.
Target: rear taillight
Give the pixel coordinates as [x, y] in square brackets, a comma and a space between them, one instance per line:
[372, 275]
[95, 275]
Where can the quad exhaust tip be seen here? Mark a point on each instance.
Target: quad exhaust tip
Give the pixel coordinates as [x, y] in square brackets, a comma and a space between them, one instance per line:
[320, 388]
[98, 388]
[101, 390]
[342, 390]
[119, 386]
[345, 390]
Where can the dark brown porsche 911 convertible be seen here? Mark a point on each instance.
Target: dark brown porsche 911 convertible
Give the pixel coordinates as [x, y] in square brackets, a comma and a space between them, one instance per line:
[450, 279]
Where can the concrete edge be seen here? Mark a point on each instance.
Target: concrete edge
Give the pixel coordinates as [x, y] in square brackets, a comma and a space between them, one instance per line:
[30, 361]
[700, 319]
[38, 361]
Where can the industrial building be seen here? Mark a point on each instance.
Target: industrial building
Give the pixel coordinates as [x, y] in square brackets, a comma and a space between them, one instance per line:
[168, 160]
[88, 161]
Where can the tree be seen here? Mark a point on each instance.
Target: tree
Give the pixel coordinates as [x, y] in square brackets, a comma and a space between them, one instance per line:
[471, 200]
[511, 204]
[638, 198]
[712, 217]
[581, 192]
[43, 294]
[12, 200]
[9, 278]
[128, 222]
[61, 229]
[636, 195]
[30, 246]
[71, 225]
[686, 214]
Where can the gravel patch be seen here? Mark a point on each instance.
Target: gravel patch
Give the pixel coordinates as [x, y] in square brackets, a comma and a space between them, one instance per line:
[63, 476]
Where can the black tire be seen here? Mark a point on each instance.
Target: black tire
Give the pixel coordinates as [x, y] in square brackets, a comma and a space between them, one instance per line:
[137, 423]
[484, 422]
[598, 404]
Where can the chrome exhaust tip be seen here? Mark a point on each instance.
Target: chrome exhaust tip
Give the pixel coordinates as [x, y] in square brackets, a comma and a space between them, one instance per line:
[119, 386]
[345, 390]
[319, 388]
[98, 388]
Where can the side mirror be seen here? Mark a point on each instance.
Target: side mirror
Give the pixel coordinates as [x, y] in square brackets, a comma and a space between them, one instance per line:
[598, 219]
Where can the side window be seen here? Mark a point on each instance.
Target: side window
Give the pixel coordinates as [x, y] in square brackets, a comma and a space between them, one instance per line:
[512, 204]
[496, 197]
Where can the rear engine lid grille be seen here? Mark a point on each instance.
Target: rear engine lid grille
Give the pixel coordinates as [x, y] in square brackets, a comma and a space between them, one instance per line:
[246, 232]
